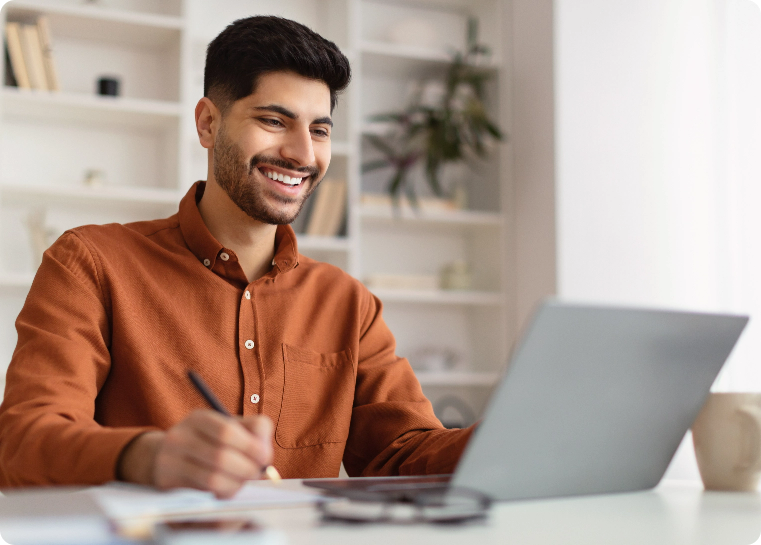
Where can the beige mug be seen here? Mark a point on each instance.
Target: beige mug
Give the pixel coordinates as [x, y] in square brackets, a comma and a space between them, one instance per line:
[727, 439]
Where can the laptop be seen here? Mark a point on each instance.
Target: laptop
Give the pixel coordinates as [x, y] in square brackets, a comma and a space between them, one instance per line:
[595, 400]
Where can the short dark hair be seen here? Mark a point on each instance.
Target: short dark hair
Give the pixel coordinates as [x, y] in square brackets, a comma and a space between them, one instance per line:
[251, 47]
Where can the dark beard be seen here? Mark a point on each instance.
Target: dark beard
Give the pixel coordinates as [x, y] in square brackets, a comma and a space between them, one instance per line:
[237, 180]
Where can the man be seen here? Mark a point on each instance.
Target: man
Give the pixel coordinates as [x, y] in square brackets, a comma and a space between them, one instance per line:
[97, 388]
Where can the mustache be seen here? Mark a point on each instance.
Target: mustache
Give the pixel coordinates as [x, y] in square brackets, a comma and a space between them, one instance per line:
[282, 163]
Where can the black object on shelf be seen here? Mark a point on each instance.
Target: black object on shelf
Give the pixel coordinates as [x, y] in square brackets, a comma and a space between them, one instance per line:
[108, 87]
[10, 77]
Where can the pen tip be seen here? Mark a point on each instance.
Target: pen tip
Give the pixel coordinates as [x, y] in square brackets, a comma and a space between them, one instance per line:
[272, 474]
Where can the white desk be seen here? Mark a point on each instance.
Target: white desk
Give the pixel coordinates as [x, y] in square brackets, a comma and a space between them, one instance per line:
[671, 514]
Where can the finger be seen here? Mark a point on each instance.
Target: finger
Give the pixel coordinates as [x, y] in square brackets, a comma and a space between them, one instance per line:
[192, 439]
[177, 471]
[237, 464]
[231, 433]
[262, 453]
[263, 427]
[220, 430]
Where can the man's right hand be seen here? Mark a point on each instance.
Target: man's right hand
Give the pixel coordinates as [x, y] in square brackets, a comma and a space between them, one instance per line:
[207, 451]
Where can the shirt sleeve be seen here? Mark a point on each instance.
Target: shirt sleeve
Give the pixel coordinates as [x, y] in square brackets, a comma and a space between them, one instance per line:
[48, 432]
[393, 428]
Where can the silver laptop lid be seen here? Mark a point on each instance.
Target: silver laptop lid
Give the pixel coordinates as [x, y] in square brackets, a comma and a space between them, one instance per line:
[595, 400]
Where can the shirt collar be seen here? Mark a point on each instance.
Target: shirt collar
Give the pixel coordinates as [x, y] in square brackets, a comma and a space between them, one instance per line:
[197, 236]
[204, 246]
[286, 249]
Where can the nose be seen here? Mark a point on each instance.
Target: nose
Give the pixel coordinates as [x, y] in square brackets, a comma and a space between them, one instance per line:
[298, 147]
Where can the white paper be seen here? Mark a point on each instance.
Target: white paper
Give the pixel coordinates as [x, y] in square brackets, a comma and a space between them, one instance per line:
[120, 501]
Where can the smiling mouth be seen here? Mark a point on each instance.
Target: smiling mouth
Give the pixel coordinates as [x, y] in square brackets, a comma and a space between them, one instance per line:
[282, 178]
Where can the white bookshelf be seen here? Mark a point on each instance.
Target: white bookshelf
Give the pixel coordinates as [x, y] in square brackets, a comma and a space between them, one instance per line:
[441, 297]
[319, 243]
[103, 24]
[26, 104]
[471, 324]
[145, 143]
[400, 51]
[407, 61]
[49, 140]
[115, 197]
[418, 218]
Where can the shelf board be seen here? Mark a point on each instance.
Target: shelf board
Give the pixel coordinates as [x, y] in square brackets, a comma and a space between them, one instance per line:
[388, 49]
[407, 61]
[75, 108]
[440, 297]
[456, 378]
[105, 25]
[329, 244]
[388, 214]
[66, 195]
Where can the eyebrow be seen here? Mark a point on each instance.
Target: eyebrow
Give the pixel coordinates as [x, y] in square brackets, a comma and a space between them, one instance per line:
[291, 115]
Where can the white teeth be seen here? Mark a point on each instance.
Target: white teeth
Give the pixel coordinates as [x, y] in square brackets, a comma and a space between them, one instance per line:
[282, 178]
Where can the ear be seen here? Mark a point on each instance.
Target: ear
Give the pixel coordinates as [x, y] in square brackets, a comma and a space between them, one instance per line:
[208, 118]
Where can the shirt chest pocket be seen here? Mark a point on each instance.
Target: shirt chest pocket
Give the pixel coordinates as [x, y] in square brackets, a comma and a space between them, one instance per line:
[318, 394]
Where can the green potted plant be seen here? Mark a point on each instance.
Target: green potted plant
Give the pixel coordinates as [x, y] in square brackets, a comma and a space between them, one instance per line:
[452, 128]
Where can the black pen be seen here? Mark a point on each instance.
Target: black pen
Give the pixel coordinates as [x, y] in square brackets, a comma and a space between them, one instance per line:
[270, 472]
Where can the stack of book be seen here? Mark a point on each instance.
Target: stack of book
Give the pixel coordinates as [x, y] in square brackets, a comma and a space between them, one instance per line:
[327, 214]
[29, 60]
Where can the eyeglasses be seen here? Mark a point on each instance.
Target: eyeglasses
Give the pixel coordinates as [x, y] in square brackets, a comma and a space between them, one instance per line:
[450, 506]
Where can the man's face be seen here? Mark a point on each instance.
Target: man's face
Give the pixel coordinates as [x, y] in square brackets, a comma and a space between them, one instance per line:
[273, 147]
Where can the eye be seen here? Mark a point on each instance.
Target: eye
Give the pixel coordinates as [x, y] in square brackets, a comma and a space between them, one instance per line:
[322, 133]
[271, 122]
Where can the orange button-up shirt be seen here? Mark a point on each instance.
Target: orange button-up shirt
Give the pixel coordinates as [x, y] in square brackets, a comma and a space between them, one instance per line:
[117, 314]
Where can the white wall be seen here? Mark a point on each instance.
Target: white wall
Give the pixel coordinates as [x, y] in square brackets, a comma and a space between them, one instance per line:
[742, 157]
[637, 182]
[654, 200]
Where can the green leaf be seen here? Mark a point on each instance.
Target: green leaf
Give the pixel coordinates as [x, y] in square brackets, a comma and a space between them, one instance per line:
[457, 128]
[375, 165]
[390, 116]
[395, 183]
[381, 144]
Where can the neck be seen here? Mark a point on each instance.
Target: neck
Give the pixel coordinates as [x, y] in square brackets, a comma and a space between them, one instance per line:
[251, 240]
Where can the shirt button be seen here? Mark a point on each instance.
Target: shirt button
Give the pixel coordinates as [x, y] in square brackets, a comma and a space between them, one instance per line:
[247, 294]
[249, 344]
[224, 256]
[206, 262]
[254, 398]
